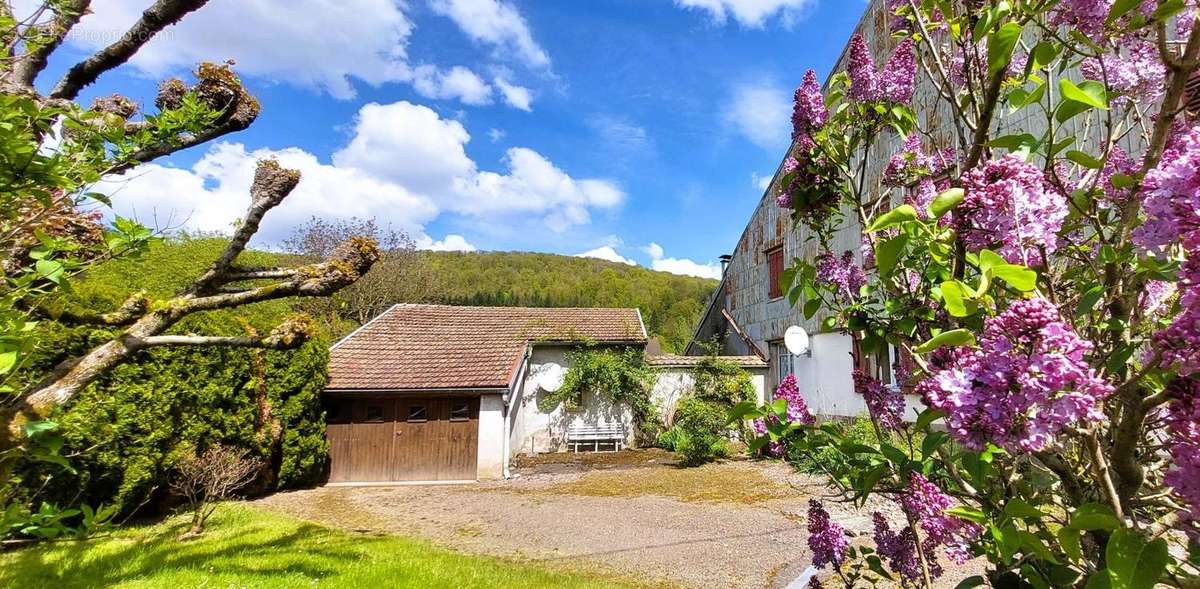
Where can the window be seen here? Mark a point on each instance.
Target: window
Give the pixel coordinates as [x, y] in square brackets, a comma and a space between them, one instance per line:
[335, 412]
[774, 273]
[460, 410]
[374, 414]
[417, 413]
[785, 362]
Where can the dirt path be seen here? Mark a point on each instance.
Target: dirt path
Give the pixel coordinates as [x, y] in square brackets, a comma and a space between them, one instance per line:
[733, 524]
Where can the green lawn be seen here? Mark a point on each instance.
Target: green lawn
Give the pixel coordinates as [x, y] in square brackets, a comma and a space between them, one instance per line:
[248, 547]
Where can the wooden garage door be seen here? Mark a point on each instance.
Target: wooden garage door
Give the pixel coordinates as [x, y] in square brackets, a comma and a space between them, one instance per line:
[403, 439]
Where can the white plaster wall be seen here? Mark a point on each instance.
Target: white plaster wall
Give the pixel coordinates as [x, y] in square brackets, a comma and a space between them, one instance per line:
[534, 431]
[491, 438]
[825, 379]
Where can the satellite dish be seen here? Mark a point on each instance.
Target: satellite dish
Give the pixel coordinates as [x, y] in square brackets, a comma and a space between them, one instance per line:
[796, 340]
[551, 377]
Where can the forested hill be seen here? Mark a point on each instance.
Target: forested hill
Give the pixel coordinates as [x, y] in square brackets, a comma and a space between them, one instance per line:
[671, 304]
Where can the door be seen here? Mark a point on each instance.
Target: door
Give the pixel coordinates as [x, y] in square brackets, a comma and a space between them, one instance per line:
[403, 439]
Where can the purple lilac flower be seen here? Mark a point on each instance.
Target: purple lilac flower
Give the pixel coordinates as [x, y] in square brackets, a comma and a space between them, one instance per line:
[1171, 193]
[1009, 203]
[899, 550]
[1118, 162]
[1138, 73]
[814, 583]
[808, 108]
[1087, 16]
[826, 538]
[928, 504]
[900, 73]
[797, 407]
[886, 405]
[1155, 294]
[1180, 341]
[864, 82]
[1183, 424]
[797, 411]
[1026, 382]
[842, 275]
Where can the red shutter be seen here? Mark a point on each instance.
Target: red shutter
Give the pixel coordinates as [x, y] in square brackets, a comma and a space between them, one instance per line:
[775, 270]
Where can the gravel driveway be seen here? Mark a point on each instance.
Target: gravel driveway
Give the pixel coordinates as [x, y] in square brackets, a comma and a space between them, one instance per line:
[633, 513]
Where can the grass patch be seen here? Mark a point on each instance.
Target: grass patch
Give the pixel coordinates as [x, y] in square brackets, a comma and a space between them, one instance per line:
[719, 482]
[248, 547]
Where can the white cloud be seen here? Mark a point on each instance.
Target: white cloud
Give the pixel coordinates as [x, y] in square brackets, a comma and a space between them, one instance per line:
[751, 13]
[760, 182]
[451, 243]
[496, 23]
[214, 193]
[515, 96]
[495, 134]
[760, 111]
[456, 83]
[620, 133]
[313, 43]
[684, 266]
[404, 165]
[606, 252]
[317, 44]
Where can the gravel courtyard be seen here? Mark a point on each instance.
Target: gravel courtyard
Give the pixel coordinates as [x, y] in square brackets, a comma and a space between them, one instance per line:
[633, 513]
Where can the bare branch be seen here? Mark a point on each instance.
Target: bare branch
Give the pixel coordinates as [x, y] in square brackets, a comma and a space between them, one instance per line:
[272, 184]
[286, 336]
[131, 310]
[156, 18]
[30, 64]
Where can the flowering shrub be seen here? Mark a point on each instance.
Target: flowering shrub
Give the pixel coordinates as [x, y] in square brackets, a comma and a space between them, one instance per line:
[1031, 244]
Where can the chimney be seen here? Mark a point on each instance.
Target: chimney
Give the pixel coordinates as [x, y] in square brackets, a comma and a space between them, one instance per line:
[725, 259]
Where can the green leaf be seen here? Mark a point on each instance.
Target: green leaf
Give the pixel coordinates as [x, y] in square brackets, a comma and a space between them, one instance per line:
[1069, 541]
[945, 201]
[1100, 579]
[1084, 159]
[887, 253]
[1020, 509]
[931, 442]
[1034, 544]
[1018, 277]
[897, 216]
[970, 582]
[954, 337]
[1016, 142]
[7, 361]
[1044, 53]
[956, 297]
[743, 410]
[51, 270]
[927, 417]
[1090, 93]
[968, 513]
[1134, 563]
[1168, 9]
[1088, 300]
[1001, 45]
[1094, 516]
[1120, 8]
[989, 259]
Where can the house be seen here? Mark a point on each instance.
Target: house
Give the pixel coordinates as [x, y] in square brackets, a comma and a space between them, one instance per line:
[749, 311]
[436, 392]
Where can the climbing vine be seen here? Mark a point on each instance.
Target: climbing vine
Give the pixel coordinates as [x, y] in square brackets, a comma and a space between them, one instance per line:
[617, 375]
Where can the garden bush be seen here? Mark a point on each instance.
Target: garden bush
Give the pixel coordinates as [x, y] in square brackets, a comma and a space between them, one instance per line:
[701, 430]
[125, 432]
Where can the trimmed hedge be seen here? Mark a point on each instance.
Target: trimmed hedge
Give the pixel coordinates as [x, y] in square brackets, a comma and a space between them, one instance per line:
[124, 433]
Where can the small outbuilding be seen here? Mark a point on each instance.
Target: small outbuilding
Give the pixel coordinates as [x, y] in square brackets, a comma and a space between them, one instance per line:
[438, 393]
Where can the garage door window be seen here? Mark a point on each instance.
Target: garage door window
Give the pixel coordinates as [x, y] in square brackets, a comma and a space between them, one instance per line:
[335, 412]
[417, 413]
[460, 411]
[374, 414]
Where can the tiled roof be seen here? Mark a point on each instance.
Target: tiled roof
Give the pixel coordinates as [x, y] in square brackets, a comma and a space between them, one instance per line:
[447, 347]
[673, 360]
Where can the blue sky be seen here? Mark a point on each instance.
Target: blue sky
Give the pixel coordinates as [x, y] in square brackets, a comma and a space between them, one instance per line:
[638, 129]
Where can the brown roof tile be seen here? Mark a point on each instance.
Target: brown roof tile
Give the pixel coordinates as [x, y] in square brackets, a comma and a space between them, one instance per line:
[440, 346]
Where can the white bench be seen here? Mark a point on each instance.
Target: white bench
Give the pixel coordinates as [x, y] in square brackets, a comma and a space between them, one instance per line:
[595, 435]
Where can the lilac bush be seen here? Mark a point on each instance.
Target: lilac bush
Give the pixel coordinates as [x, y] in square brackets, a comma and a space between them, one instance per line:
[1024, 178]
